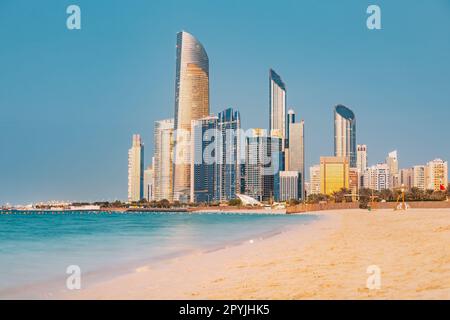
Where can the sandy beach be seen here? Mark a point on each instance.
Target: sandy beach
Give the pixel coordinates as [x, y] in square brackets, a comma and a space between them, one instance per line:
[326, 260]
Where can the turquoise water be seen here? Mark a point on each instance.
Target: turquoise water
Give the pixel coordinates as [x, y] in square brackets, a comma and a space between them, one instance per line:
[37, 248]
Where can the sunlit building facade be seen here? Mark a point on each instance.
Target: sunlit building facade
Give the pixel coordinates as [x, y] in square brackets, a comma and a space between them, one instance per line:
[296, 152]
[419, 177]
[345, 134]
[136, 170]
[377, 177]
[314, 179]
[277, 107]
[191, 103]
[334, 174]
[149, 183]
[436, 174]
[163, 161]
[361, 163]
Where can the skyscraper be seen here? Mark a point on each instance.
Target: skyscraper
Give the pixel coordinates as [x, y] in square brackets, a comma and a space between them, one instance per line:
[231, 156]
[163, 164]
[136, 170]
[361, 163]
[290, 119]
[277, 107]
[361, 159]
[334, 174]
[345, 134]
[204, 158]
[296, 152]
[262, 165]
[149, 183]
[191, 103]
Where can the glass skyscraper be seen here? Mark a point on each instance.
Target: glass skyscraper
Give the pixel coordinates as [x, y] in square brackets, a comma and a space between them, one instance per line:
[230, 161]
[345, 134]
[262, 166]
[204, 159]
[191, 103]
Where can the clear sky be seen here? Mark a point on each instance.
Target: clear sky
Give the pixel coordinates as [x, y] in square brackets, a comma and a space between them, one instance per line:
[71, 100]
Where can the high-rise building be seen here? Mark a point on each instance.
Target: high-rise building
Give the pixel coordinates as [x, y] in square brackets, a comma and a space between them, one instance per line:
[392, 162]
[231, 155]
[191, 103]
[436, 174]
[277, 105]
[290, 119]
[163, 163]
[262, 165]
[353, 181]
[361, 163]
[314, 179]
[149, 183]
[407, 178]
[136, 170]
[290, 188]
[419, 177]
[204, 158]
[334, 174]
[345, 134]
[377, 177]
[296, 152]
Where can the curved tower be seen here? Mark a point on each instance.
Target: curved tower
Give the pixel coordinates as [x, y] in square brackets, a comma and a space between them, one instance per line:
[191, 103]
[345, 134]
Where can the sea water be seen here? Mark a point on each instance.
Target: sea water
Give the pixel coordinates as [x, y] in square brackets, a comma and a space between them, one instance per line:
[37, 248]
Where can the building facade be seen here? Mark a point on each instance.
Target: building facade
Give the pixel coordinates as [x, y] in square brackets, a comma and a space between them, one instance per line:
[345, 134]
[296, 152]
[149, 184]
[392, 162]
[361, 163]
[334, 174]
[377, 177]
[231, 159]
[419, 177]
[163, 159]
[407, 178]
[204, 158]
[277, 107]
[191, 103]
[262, 165]
[314, 179]
[290, 188]
[436, 175]
[136, 170]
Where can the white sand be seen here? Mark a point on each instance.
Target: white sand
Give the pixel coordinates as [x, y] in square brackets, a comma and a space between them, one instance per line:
[326, 261]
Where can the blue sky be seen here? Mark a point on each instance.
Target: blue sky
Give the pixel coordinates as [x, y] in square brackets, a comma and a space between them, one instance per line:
[71, 100]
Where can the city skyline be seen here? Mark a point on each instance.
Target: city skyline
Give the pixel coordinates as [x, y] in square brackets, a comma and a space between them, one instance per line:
[77, 183]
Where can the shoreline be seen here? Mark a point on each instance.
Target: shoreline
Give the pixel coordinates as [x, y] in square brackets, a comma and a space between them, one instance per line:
[51, 288]
[309, 231]
[327, 260]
